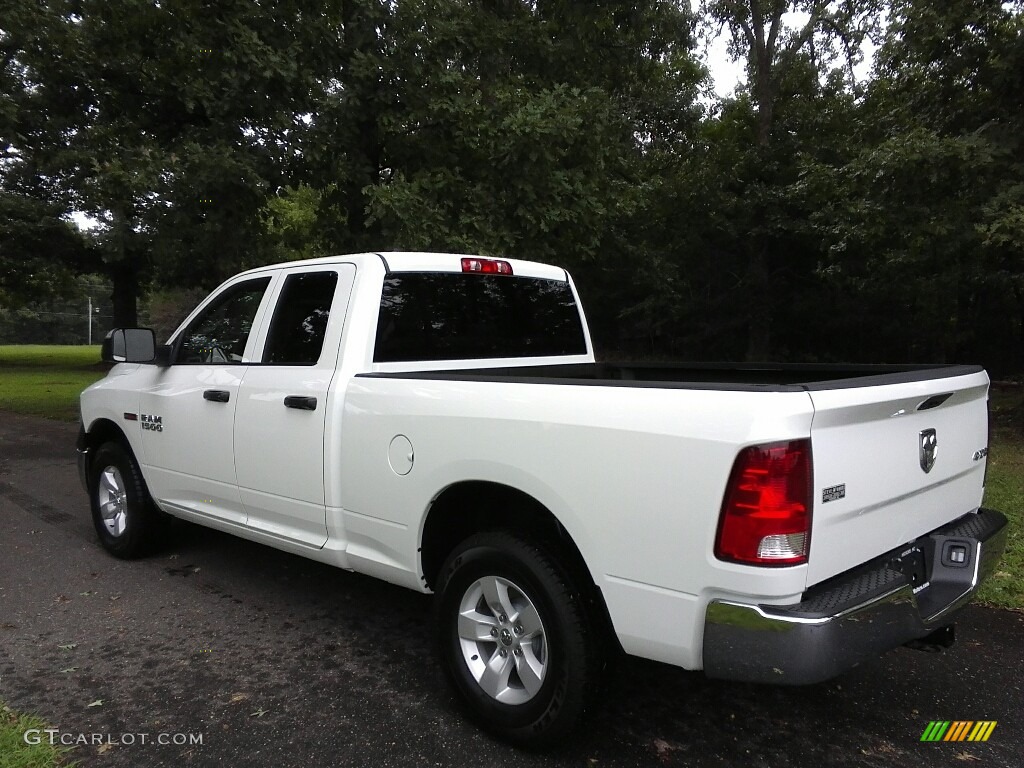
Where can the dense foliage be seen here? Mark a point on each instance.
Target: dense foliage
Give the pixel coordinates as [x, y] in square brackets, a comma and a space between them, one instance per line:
[809, 216]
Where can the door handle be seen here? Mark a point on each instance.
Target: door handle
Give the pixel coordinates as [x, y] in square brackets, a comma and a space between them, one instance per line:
[217, 395]
[301, 402]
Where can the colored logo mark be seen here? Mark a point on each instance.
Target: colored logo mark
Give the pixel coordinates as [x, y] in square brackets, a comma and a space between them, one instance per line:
[958, 730]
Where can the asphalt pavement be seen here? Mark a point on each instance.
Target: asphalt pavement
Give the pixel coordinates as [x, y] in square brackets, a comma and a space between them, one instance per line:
[221, 652]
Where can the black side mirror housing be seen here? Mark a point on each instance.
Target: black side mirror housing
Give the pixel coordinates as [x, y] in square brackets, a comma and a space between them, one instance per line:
[163, 356]
[129, 345]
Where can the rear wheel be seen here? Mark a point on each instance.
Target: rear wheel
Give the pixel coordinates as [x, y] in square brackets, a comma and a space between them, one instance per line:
[515, 638]
[127, 523]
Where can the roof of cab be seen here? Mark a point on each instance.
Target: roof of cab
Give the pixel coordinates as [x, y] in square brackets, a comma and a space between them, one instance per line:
[417, 261]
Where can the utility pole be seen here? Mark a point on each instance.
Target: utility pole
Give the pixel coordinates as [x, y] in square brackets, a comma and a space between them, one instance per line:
[90, 321]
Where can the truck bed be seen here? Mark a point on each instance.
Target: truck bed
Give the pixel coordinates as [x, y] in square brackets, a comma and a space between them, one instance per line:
[873, 491]
[726, 376]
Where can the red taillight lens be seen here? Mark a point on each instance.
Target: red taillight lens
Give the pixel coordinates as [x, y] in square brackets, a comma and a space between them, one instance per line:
[766, 514]
[487, 266]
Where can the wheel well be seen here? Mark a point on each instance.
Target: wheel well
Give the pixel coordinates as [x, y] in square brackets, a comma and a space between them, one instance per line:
[101, 431]
[105, 431]
[474, 506]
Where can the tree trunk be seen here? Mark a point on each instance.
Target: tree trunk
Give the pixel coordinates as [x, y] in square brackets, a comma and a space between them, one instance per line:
[361, 39]
[765, 97]
[123, 273]
[124, 297]
[759, 300]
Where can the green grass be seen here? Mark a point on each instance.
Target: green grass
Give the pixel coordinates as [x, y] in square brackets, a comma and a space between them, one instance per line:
[46, 380]
[15, 753]
[47, 356]
[1004, 491]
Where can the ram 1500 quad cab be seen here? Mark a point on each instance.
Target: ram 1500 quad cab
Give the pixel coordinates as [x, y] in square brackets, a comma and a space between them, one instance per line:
[439, 421]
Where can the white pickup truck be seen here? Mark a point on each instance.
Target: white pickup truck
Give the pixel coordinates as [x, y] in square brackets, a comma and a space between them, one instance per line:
[440, 422]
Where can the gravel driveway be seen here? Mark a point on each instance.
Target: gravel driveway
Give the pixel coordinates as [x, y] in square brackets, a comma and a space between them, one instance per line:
[271, 660]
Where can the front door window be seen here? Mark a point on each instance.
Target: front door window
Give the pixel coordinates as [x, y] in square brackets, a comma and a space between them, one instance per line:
[219, 334]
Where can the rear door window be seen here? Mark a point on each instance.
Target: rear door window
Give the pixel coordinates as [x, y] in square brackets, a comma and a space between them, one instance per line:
[297, 331]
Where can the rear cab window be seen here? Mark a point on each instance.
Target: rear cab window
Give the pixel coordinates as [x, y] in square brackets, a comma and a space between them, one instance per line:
[428, 316]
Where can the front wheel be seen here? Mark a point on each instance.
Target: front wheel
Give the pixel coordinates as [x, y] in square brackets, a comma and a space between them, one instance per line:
[515, 638]
[127, 523]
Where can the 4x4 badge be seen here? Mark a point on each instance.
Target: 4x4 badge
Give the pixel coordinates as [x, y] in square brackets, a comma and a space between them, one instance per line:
[929, 448]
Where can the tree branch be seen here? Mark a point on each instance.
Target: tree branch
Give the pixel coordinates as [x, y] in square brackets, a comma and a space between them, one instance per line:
[801, 38]
[773, 32]
[748, 33]
[735, 14]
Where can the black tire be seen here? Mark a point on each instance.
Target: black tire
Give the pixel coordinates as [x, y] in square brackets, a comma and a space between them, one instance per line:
[136, 533]
[573, 654]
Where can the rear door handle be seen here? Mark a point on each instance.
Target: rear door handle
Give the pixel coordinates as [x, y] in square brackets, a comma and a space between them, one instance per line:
[217, 395]
[300, 402]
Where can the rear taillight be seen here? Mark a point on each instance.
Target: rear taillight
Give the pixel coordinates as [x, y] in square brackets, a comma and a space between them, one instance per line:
[487, 266]
[766, 514]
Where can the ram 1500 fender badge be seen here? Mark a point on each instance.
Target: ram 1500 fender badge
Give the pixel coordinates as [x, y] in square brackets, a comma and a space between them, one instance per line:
[980, 454]
[928, 443]
[152, 423]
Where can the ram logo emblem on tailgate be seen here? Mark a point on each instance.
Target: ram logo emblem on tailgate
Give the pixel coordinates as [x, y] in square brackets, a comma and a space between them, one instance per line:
[929, 444]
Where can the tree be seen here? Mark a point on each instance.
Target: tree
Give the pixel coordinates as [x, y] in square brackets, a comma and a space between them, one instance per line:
[167, 122]
[39, 252]
[785, 64]
[291, 225]
[510, 127]
[825, 32]
[924, 217]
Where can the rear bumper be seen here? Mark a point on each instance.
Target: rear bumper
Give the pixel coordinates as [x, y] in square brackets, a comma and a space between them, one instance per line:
[903, 596]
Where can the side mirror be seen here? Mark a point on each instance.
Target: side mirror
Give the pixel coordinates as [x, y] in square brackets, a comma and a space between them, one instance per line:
[129, 345]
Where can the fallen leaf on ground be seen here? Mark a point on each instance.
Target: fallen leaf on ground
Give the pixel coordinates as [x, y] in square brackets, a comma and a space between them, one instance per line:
[663, 747]
[966, 756]
[97, 703]
[259, 712]
[237, 697]
[68, 647]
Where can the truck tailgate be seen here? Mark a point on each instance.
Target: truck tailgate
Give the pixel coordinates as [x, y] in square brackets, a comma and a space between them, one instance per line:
[891, 463]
